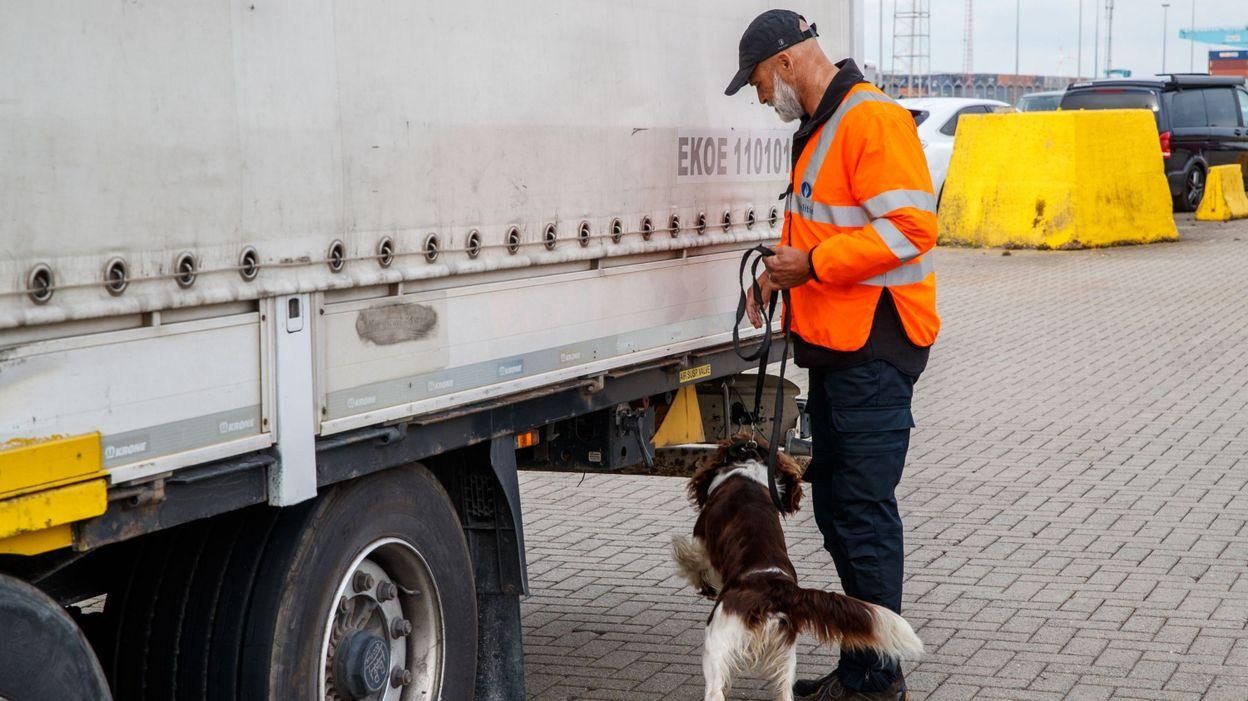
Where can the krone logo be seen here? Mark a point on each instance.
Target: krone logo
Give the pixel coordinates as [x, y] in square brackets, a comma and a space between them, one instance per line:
[121, 451]
[235, 426]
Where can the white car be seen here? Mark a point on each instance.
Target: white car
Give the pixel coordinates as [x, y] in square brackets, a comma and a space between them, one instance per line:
[937, 118]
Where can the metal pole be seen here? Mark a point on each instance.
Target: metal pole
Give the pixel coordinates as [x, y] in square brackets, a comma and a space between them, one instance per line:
[892, 58]
[1165, 21]
[1109, 36]
[968, 40]
[1079, 62]
[1191, 60]
[1018, 24]
[880, 78]
[1096, 53]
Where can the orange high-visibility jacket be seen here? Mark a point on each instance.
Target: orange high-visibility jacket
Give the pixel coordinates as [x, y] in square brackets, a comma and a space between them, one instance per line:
[862, 205]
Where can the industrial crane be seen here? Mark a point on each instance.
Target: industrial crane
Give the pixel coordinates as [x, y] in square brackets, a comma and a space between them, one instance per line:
[1218, 37]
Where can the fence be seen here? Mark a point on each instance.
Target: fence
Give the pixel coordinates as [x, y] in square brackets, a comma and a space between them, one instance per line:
[990, 86]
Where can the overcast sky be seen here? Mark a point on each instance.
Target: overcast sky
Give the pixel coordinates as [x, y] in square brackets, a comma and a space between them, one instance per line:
[1050, 30]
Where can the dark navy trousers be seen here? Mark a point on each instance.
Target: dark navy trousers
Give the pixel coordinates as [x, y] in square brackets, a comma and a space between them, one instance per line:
[860, 425]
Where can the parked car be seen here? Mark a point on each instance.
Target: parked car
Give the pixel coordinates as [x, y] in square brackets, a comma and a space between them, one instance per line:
[1040, 101]
[1202, 120]
[937, 118]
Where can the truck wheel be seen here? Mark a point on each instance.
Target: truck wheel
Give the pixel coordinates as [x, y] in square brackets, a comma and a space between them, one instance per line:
[133, 606]
[176, 616]
[367, 593]
[43, 654]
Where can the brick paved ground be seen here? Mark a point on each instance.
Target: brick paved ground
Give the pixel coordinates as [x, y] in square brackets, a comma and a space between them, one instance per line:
[1075, 500]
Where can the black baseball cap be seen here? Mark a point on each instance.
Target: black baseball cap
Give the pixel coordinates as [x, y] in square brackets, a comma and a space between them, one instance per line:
[769, 34]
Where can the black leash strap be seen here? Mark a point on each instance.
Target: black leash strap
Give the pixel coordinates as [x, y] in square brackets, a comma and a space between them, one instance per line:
[763, 354]
[767, 307]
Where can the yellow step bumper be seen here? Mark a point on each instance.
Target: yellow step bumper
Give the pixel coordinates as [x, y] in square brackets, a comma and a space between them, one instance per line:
[46, 485]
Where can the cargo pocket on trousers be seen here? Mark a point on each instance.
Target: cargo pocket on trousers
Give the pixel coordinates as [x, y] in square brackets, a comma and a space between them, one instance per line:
[873, 430]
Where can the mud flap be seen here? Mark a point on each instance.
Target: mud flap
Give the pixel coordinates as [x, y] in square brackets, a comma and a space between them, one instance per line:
[487, 492]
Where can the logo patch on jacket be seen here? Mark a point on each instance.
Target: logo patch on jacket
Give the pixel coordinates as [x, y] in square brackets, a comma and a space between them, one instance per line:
[806, 190]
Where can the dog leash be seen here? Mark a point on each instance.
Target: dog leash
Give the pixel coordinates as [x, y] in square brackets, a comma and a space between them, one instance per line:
[751, 260]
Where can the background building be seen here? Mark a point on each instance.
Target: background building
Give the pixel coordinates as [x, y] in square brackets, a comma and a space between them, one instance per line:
[993, 86]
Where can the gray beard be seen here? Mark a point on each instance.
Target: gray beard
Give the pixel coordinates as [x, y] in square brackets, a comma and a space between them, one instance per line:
[784, 100]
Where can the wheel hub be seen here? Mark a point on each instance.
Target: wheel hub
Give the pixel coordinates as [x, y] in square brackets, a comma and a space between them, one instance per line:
[383, 635]
[363, 664]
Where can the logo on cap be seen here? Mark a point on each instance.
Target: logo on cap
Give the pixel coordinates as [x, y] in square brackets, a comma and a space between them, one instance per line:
[806, 190]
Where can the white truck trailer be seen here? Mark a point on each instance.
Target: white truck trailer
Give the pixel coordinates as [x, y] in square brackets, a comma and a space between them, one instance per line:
[284, 286]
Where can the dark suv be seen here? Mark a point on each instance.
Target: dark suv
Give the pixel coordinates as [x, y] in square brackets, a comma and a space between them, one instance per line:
[1203, 121]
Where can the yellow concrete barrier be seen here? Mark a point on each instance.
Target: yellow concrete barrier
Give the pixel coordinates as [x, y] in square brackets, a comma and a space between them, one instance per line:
[1057, 180]
[1224, 195]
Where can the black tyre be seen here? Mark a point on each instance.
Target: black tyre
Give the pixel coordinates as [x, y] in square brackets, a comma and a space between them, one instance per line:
[43, 654]
[233, 604]
[1193, 190]
[177, 617]
[170, 610]
[133, 607]
[230, 541]
[369, 587]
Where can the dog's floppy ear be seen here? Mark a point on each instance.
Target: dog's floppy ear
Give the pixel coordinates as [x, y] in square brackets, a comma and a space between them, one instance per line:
[704, 475]
[789, 481]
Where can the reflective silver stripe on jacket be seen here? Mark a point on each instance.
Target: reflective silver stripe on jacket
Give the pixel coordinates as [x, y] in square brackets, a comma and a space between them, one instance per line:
[893, 200]
[895, 240]
[905, 275]
[875, 208]
[849, 215]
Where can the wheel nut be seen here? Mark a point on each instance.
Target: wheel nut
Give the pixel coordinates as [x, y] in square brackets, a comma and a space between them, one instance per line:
[344, 607]
[386, 591]
[400, 627]
[362, 582]
[400, 677]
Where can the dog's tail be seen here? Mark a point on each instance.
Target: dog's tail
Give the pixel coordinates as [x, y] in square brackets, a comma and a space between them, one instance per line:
[855, 624]
[694, 565]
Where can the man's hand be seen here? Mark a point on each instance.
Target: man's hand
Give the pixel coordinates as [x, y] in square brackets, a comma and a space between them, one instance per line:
[788, 268]
[754, 307]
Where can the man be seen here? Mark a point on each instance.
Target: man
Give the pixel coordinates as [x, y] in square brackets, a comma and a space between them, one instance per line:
[859, 222]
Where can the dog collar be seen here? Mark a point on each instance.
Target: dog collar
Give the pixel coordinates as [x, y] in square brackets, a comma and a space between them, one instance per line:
[753, 470]
[766, 570]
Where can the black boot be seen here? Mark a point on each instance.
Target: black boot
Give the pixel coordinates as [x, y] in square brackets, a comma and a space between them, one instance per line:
[831, 689]
[805, 688]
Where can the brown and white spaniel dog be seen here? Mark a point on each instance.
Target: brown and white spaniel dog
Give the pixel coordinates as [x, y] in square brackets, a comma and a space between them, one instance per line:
[738, 558]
